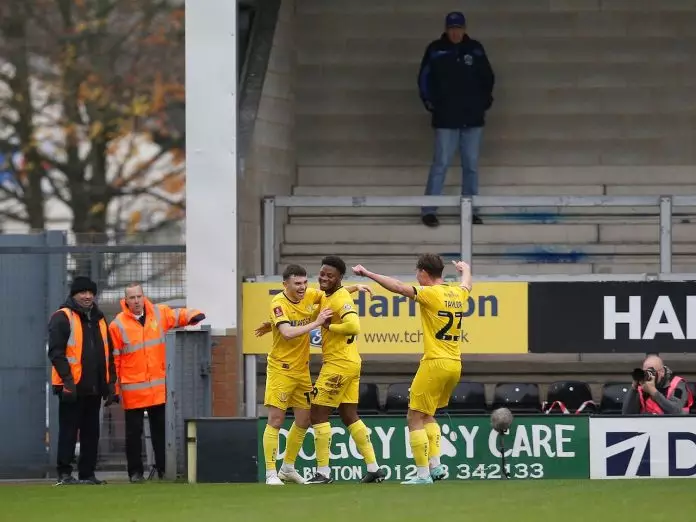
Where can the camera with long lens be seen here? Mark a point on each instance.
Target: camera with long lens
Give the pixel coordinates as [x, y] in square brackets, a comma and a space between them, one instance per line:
[640, 375]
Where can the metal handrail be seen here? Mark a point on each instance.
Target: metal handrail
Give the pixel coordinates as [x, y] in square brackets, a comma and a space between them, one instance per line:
[466, 206]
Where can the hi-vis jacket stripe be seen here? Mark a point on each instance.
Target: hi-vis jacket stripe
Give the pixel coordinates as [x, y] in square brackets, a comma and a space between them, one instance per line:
[134, 347]
[140, 352]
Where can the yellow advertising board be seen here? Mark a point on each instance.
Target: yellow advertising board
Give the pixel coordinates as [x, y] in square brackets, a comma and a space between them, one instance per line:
[496, 320]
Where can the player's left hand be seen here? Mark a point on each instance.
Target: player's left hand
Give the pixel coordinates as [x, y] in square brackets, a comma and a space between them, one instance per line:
[359, 270]
[649, 386]
[364, 289]
[263, 329]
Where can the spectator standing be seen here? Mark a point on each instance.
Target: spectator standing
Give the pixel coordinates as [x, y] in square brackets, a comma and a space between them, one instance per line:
[141, 365]
[455, 82]
[83, 373]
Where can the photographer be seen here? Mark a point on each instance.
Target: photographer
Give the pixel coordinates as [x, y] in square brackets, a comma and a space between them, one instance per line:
[657, 391]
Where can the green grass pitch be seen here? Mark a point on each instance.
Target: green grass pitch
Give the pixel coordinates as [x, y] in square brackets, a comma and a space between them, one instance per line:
[481, 501]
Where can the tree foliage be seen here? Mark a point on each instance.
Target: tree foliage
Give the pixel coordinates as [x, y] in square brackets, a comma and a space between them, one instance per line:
[91, 114]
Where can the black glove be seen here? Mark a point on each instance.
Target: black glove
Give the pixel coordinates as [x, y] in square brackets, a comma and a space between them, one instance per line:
[196, 319]
[69, 392]
[112, 397]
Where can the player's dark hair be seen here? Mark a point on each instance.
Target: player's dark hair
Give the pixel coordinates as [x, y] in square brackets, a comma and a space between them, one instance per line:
[432, 264]
[294, 270]
[335, 262]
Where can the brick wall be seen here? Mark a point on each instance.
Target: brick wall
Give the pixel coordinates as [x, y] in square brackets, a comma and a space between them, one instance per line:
[226, 375]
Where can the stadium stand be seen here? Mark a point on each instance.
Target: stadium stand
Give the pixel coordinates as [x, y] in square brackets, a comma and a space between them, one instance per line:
[591, 98]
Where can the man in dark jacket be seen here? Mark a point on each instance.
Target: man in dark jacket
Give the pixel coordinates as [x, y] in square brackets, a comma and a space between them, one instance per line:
[83, 373]
[456, 85]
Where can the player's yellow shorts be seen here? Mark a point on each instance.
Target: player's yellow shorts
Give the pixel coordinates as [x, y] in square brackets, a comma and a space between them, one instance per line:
[285, 390]
[337, 384]
[433, 384]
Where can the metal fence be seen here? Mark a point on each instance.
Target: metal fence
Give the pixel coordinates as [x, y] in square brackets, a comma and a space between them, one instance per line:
[35, 274]
[466, 205]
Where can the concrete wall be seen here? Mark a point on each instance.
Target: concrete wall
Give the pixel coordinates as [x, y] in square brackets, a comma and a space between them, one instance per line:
[270, 164]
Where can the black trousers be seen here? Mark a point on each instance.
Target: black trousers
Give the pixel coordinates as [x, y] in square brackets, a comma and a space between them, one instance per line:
[134, 436]
[80, 416]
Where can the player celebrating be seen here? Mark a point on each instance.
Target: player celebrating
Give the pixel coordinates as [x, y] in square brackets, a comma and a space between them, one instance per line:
[442, 309]
[288, 382]
[339, 379]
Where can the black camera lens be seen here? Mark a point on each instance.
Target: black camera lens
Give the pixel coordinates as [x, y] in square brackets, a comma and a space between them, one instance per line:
[639, 375]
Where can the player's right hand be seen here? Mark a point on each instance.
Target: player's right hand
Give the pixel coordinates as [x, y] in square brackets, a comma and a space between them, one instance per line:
[324, 315]
[461, 266]
[359, 270]
[263, 329]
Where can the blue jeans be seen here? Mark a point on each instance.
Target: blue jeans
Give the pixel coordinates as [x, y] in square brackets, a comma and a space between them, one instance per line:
[446, 141]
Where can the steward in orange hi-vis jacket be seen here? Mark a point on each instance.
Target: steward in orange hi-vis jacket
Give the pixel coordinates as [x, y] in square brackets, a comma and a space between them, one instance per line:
[82, 374]
[137, 334]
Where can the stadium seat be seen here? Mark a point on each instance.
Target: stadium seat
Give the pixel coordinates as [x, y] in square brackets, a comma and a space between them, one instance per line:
[468, 397]
[397, 398]
[368, 403]
[612, 397]
[518, 397]
[693, 394]
[569, 397]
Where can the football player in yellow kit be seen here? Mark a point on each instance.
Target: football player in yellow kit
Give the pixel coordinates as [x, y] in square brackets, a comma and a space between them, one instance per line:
[288, 382]
[442, 308]
[338, 383]
[293, 315]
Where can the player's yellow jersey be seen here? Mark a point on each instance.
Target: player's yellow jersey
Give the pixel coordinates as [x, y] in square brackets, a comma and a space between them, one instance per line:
[442, 309]
[292, 356]
[338, 347]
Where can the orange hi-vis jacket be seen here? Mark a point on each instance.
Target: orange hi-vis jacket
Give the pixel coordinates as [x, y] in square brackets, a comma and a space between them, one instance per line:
[140, 353]
[73, 351]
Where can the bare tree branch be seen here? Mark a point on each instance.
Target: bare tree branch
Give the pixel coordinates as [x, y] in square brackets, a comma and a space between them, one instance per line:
[14, 216]
[20, 197]
[142, 169]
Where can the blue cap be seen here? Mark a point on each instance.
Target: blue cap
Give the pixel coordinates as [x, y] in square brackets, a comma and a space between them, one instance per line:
[455, 19]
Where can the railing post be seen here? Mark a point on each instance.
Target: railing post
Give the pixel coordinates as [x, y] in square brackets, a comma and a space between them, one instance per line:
[269, 221]
[466, 208]
[665, 234]
[250, 383]
[269, 243]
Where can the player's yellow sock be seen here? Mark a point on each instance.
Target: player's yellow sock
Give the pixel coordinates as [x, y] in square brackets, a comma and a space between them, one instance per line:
[419, 448]
[296, 436]
[433, 431]
[270, 447]
[322, 443]
[361, 436]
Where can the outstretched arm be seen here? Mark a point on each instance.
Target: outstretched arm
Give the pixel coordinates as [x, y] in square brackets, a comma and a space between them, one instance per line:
[465, 273]
[391, 284]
